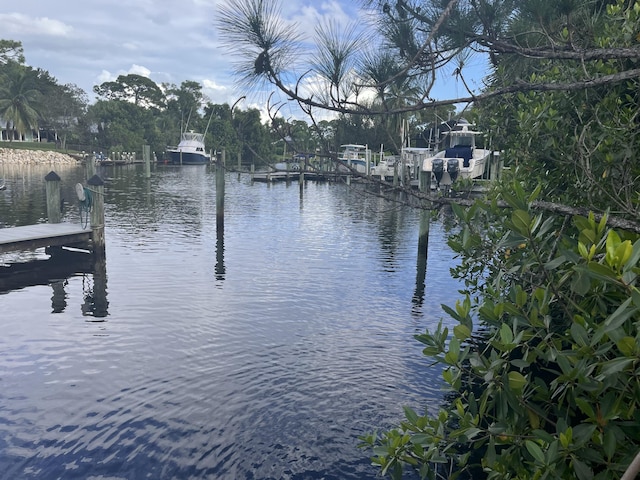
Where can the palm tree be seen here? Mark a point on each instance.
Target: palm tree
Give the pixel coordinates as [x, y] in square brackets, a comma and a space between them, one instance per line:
[17, 100]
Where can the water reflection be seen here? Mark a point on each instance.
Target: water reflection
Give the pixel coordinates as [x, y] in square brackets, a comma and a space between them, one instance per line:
[308, 345]
[219, 268]
[95, 295]
[421, 262]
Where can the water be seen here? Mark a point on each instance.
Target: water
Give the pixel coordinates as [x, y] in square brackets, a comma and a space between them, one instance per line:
[259, 354]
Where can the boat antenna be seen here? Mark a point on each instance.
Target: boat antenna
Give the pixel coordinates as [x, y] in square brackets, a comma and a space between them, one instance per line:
[188, 118]
[209, 122]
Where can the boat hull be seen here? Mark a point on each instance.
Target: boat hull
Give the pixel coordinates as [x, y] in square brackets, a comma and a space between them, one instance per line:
[471, 168]
[188, 158]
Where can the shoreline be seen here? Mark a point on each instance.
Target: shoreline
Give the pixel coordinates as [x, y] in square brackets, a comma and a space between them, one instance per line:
[34, 157]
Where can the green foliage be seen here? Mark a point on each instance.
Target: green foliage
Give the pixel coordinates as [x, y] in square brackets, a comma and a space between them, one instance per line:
[580, 144]
[19, 97]
[543, 359]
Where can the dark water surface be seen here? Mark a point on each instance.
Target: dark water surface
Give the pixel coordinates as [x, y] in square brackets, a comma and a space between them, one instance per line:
[262, 354]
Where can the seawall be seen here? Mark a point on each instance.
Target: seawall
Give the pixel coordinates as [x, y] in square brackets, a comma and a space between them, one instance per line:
[34, 157]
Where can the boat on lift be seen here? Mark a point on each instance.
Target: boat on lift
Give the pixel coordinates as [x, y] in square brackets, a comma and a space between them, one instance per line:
[460, 159]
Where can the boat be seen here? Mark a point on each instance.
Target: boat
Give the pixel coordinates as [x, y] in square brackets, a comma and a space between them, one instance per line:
[401, 167]
[190, 150]
[385, 169]
[3, 185]
[461, 158]
[354, 157]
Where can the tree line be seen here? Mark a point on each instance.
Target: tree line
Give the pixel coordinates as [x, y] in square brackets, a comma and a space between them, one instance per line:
[133, 110]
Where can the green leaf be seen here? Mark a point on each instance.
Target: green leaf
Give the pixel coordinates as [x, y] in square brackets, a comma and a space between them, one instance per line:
[461, 332]
[615, 366]
[627, 345]
[506, 335]
[586, 408]
[521, 220]
[411, 415]
[610, 443]
[535, 451]
[582, 470]
[517, 381]
[579, 334]
[580, 283]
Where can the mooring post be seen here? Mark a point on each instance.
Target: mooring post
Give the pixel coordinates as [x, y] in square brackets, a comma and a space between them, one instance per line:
[220, 191]
[146, 154]
[52, 187]
[96, 187]
[423, 179]
[90, 164]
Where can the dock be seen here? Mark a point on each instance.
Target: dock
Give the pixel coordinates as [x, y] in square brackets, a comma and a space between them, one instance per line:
[57, 234]
[30, 237]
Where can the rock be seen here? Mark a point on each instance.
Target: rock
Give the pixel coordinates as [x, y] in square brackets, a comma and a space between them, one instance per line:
[34, 157]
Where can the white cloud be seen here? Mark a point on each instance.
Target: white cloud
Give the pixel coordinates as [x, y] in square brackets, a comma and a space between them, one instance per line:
[139, 70]
[18, 24]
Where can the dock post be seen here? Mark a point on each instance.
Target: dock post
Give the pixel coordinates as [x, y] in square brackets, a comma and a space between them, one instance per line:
[90, 164]
[423, 179]
[96, 187]
[146, 154]
[220, 191]
[52, 187]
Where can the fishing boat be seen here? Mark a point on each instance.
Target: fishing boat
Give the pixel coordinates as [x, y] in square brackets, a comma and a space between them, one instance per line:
[461, 158]
[354, 157]
[190, 150]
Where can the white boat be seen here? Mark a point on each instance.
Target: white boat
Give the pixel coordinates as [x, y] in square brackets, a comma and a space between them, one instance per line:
[353, 156]
[461, 158]
[385, 169]
[190, 150]
[394, 166]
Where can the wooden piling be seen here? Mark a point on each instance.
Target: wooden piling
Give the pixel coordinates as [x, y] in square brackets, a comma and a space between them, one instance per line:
[146, 155]
[52, 187]
[90, 166]
[96, 187]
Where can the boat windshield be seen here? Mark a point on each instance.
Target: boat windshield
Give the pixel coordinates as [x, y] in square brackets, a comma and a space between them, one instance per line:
[462, 140]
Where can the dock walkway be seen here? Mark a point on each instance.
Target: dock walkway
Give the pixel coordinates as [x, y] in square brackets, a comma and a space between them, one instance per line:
[29, 237]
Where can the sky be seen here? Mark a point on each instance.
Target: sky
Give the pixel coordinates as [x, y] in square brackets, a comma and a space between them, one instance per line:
[87, 42]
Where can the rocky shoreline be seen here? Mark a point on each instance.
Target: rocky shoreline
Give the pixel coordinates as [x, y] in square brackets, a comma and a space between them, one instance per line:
[34, 157]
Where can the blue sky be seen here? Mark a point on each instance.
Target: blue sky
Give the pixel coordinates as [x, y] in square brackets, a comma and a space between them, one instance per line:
[87, 42]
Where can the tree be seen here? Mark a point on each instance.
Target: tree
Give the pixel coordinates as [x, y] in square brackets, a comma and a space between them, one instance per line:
[18, 99]
[139, 90]
[11, 51]
[123, 126]
[61, 106]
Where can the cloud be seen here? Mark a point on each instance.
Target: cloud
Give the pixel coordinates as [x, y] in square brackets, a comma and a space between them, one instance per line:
[18, 24]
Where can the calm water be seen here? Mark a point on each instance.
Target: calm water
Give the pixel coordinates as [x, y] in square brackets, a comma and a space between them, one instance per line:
[262, 354]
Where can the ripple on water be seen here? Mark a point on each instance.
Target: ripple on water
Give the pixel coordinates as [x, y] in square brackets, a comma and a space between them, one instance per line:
[269, 370]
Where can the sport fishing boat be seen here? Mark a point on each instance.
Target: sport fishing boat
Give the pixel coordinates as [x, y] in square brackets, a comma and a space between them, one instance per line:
[190, 150]
[461, 158]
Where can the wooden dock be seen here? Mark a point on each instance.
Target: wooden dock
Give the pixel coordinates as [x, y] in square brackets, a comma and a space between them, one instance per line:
[30, 237]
